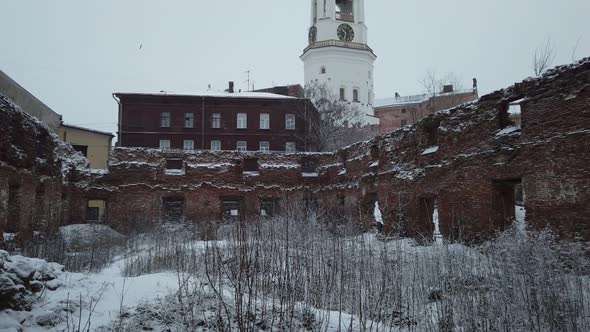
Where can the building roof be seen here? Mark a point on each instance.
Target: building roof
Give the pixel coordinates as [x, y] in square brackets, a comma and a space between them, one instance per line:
[417, 99]
[253, 95]
[87, 129]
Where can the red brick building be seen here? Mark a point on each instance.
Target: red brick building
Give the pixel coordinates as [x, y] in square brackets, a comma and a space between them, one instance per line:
[400, 111]
[253, 121]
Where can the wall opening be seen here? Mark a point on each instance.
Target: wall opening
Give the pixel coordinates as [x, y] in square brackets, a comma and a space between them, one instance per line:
[309, 165]
[368, 205]
[176, 164]
[231, 210]
[14, 198]
[268, 207]
[95, 211]
[427, 207]
[39, 216]
[508, 202]
[172, 209]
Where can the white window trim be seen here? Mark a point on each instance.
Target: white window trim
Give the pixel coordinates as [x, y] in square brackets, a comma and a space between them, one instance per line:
[265, 123]
[164, 147]
[192, 120]
[218, 145]
[242, 122]
[168, 123]
[293, 121]
[192, 144]
[264, 149]
[216, 125]
[294, 147]
[245, 148]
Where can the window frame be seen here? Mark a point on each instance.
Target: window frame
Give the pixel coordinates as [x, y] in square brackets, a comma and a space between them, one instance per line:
[264, 122]
[165, 119]
[189, 120]
[342, 93]
[265, 149]
[211, 145]
[192, 143]
[293, 150]
[290, 121]
[245, 146]
[355, 95]
[165, 148]
[216, 120]
[242, 120]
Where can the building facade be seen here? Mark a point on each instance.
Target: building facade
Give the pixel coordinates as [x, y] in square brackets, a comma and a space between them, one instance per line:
[400, 111]
[251, 121]
[29, 103]
[93, 144]
[338, 55]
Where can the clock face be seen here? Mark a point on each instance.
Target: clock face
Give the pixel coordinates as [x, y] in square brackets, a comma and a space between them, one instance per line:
[345, 32]
[313, 34]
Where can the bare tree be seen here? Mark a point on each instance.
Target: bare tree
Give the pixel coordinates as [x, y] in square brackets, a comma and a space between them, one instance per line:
[575, 48]
[544, 56]
[339, 122]
[433, 83]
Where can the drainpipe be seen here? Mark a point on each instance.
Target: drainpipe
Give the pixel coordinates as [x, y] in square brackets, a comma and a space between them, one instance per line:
[203, 123]
[119, 125]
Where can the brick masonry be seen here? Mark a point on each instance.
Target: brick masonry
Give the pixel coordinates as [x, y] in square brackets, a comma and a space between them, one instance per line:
[468, 160]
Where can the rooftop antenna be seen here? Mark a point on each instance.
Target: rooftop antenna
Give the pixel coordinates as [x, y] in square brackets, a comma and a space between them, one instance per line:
[248, 80]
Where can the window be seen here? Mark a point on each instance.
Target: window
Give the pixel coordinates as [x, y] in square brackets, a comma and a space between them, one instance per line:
[342, 94]
[216, 120]
[188, 144]
[231, 210]
[164, 144]
[264, 146]
[242, 146]
[189, 120]
[172, 209]
[370, 98]
[264, 121]
[403, 111]
[323, 70]
[174, 163]
[165, 119]
[515, 114]
[290, 147]
[92, 214]
[268, 208]
[355, 95]
[83, 149]
[290, 121]
[242, 121]
[215, 145]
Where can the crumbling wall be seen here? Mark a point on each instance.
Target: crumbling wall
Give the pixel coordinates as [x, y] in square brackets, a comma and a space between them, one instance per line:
[464, 162]
[33, 172]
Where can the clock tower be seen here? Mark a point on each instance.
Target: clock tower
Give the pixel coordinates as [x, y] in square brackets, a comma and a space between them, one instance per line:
[338, 54]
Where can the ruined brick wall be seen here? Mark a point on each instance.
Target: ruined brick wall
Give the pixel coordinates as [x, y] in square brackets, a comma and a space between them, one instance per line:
[32, 160]
[466, 161]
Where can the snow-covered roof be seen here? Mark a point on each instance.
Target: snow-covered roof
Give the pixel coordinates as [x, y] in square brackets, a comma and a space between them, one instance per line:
[255, 95]
[415, 99]
[88, 129]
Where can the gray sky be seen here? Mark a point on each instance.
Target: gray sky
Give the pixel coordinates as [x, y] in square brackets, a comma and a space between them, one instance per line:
[74, 54]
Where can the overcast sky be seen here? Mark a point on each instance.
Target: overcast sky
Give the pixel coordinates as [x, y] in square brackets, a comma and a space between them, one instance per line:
[74, 54]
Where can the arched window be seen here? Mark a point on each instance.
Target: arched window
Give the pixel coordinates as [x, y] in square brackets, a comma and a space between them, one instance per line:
[355, 95]
[342, 93]
[323, 70]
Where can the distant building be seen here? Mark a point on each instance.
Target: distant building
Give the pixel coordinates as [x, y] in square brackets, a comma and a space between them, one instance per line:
[294, 90]
[399, 111]
[29, 103]
[93, 144]
[250, 121]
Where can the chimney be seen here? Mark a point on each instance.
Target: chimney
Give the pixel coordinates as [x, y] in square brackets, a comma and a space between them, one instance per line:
[231, 87]
[397, 96]
[448, 88]
[474, 83]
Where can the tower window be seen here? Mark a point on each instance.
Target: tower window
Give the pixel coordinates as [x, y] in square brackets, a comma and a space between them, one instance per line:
[342, 93]
[344, 10]
[355, 95]
[323, 70]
